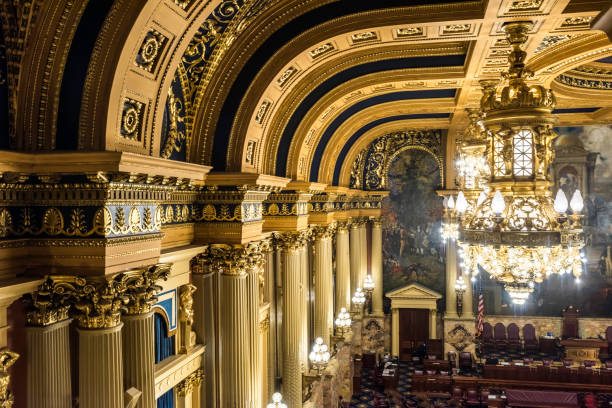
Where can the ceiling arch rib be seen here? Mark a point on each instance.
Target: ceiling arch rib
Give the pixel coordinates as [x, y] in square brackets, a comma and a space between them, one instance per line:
[237, 76]
[427, 108]
[285, 124]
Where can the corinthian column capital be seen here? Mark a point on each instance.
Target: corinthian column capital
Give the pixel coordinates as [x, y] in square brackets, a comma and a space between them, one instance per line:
[190, 383]
[142, 288]
[321, 232]
[342, 226]
[46, 306]
[377, 222]
[237, 259]
[293, 239]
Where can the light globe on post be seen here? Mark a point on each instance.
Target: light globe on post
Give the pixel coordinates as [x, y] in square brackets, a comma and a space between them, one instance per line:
[277, 399]
[359, 300]
[319, 356]
[368, 287]
[343, 322]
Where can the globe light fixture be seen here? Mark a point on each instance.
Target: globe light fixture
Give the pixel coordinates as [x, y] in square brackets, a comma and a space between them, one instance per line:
[319, 356]
[460, 288]
[343, 322]
[359, 298]
[277, 399]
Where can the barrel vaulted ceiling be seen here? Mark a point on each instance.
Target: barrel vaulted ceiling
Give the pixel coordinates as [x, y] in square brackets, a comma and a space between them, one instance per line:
[294, 88]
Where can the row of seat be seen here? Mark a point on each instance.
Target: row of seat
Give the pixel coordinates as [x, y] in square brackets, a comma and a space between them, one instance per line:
[545, 373]
[496, 337]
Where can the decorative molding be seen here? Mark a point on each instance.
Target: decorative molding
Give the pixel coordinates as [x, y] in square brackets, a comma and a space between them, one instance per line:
[151, 49]
[7, 359]
[132, 119]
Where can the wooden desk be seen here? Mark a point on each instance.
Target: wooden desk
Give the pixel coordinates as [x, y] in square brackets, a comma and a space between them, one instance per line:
[547, 345]
[582, 349]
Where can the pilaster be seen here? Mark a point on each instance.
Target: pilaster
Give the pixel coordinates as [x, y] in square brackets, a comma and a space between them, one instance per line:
[343, 267]
[377, 267]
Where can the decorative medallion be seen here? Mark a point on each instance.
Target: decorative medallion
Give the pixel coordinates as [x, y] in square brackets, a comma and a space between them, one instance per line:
[132, 119]
[460, 338]
[150, 50]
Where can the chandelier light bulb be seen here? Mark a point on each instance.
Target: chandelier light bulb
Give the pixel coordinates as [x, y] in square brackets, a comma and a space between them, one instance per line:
[481, 198]
[368, 284]
[497, 204]
[359, 297]
[462, 203]
[560, 202]
[451, 203]
[576, 203]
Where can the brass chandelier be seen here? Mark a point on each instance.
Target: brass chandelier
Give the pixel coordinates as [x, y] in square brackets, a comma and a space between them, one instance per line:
[508, 224]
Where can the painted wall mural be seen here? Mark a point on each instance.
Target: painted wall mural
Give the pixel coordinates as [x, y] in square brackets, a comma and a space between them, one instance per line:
[583, 161]
[412, 213]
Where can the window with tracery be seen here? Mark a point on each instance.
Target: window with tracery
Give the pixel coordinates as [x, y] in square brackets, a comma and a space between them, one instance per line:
[523, 153]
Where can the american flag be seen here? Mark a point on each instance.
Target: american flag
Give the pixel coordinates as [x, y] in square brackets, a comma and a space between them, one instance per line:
[480, 312]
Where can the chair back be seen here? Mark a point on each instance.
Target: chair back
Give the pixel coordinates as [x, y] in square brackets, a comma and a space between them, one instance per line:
[457, 393]
[589, 363]
[487, 331]
[465, 359]
[567, 363]
[529, 332]
[431, 357]
[472, 395]
[499, 331]
[513, 332]
[609, 334]
[452, 356]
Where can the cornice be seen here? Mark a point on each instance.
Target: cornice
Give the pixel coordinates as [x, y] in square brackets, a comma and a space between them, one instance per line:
[96, 162]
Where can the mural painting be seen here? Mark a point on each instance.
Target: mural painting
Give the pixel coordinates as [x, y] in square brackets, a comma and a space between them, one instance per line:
[583, 161]
[412, 214]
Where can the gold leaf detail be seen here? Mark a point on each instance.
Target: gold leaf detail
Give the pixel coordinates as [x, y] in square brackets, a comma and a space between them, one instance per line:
[53, 222]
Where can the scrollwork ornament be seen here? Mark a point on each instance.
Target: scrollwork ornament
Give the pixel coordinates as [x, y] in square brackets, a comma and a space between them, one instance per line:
[142, 288]
[7, 359]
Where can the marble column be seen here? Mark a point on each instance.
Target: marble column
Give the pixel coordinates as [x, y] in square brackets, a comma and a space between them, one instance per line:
[355, 261]
[188, 391]
[101, 367]
[305, 300]
[451, 277]
[139, 356]
[363, 252]
[253, 276]
[343, 268]
[138, 331]
[205, 323]
[292, 246]
[377, 267]
[324, 302]
[48, 362]
[98, 318]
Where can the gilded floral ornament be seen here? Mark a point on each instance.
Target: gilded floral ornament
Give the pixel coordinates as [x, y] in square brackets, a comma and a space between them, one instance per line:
[176, 137]
[46, 305]
[142, 288]
[190, 383]
[7, 359]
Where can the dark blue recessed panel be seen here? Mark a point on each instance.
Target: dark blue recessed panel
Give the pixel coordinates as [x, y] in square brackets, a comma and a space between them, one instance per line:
[351, 141]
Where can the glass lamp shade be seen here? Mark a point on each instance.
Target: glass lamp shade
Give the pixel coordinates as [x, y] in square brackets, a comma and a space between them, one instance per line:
[576, 203]
[462, 203]
[343, 320]
[359, 297]
[277, 399]
[497, 204]
[560, 202]
[368, 284]
[450, 203]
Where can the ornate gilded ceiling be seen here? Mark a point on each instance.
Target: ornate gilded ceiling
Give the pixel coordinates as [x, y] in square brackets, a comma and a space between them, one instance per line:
[295, 88]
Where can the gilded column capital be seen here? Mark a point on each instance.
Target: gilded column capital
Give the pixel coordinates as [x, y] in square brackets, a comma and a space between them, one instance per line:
[46, 306]
[377, 222]
[7, 359]
[342, 226]
[322, 232]
[236, 259]
[292, 240]
[141, 287]
[191, 382]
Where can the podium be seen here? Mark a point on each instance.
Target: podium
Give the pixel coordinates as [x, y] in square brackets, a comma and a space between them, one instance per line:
[581, 350]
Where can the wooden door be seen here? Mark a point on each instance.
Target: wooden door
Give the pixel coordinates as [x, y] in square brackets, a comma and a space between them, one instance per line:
[413, 325]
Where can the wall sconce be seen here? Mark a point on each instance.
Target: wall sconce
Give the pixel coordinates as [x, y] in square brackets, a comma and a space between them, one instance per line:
[460, 288]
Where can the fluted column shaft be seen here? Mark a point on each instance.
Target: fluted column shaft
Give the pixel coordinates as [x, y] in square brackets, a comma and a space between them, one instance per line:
[306, 312]
[139, 356]
[235, 337]
[48, 379]
[451, 277]
[292, 325]
[205, 326]
[324, 318]
[253, 320]
[100, 368]
[355, 261]
[377, 268]
[363, 253]
[343, 269]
